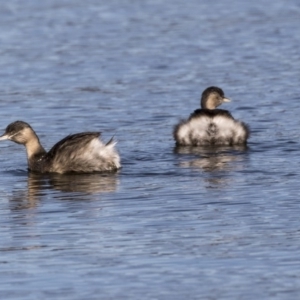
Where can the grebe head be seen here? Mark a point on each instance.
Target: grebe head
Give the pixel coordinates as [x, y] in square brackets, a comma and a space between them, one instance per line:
[18, 132]
[212, 97]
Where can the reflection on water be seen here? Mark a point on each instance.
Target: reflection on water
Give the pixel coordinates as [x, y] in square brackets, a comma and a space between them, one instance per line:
[87, 183]
[212, 158]
[39, 185]
[216, 162]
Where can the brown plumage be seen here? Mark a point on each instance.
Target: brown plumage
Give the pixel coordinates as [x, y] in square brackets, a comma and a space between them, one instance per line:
[80, 152]
[209, 125]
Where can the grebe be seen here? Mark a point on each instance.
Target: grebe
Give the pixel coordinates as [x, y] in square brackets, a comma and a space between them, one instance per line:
[80, 152]
[211, 126]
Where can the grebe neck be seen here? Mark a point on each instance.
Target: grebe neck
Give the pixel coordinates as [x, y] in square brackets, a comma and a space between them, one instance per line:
[34, 147]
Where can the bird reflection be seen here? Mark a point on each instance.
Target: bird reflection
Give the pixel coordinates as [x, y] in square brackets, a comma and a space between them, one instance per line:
[88, 183]
[213, 161]
[38, 185]
[211, 158]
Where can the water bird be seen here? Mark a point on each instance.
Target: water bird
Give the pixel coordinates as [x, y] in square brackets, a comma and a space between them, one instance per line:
[81, 152]
[209, 125]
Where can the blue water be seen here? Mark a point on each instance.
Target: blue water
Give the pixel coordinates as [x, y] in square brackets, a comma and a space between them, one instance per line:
[187, 223]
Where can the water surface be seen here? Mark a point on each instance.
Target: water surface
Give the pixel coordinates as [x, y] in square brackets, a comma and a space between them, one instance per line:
[173, 223]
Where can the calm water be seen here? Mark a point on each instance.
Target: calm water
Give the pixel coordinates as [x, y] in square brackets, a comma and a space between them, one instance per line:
[173, 223]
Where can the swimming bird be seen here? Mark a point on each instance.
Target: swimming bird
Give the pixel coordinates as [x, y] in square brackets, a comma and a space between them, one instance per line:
[81, 152]
[209, 125]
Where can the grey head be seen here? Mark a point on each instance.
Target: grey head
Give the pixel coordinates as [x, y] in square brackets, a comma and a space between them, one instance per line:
[212, 97]
[19, 132]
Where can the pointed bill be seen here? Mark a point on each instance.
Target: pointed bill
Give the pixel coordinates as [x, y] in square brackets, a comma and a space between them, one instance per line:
[226, 100]
[4, 137]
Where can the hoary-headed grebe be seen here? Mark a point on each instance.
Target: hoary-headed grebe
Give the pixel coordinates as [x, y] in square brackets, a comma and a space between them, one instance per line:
[211, 126]
[80, 152]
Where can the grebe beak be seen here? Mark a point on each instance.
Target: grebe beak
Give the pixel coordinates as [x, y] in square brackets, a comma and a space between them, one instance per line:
[4, 137]
[226, 100]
